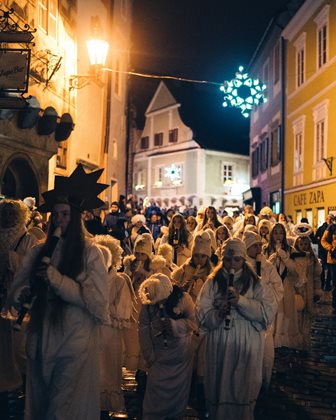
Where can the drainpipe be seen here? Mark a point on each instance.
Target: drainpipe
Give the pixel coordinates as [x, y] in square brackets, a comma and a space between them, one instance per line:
[283, 123]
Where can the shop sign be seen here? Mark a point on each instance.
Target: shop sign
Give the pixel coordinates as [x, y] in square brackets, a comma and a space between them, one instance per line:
[14, 70]
[311, 197]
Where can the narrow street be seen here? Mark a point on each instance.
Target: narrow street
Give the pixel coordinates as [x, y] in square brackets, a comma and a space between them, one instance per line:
[303, 385]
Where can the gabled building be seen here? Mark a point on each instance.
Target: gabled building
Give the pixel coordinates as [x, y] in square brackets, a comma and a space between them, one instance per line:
[187, 154]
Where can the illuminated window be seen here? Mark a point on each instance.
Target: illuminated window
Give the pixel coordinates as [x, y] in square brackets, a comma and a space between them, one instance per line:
[300, 46]
[320, 114]
[320, 140]
[47, 16]
[322, 26]
[298, 133]
[227, 172]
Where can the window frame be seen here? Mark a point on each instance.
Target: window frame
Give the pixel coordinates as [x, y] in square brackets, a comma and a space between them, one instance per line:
[322, 21]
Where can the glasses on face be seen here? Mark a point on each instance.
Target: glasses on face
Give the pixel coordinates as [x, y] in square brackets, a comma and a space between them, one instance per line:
[232, 259]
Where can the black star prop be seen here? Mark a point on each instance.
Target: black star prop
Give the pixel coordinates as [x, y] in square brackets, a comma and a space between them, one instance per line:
[80, 190]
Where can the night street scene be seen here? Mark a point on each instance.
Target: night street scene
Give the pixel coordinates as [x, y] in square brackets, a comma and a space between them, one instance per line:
[167, 209]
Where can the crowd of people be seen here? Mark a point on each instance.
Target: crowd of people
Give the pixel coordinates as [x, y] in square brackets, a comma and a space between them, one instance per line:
[194, 303]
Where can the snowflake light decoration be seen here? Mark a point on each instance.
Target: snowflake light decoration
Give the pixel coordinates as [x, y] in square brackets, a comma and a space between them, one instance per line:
[173, 173]
[243, 92]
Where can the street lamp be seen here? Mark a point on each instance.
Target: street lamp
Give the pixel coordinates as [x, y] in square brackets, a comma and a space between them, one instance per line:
[97, 50]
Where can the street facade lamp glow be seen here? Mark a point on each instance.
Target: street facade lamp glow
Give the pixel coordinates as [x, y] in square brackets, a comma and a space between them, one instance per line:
[97, 50]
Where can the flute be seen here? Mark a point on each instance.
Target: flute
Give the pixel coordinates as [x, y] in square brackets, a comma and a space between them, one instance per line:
[29, 301]
[228, 309]
[163, 331]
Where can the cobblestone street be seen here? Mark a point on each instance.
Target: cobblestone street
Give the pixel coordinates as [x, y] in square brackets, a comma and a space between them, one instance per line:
[303, 385]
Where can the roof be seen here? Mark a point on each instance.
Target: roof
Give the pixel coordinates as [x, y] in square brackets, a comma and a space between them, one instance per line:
[214, 127]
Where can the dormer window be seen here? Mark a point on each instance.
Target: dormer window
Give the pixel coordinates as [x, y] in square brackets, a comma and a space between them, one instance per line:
[173, 135]
[158, 139]
[144, 142]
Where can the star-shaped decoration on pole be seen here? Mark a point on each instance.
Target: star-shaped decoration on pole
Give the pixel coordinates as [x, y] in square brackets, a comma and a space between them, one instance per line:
[243, 92]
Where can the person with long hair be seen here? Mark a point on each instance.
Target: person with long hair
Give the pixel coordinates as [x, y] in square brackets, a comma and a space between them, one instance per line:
[233, 307]
[179, 238]
[270, 278]
[286, 325]
[210, 220]
[167, 321]
[139, 266]
[70, 303]
[309, 269]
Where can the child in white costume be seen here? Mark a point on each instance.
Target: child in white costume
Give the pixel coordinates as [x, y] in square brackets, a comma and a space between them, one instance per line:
[121, 296]
[139, 267]
[278, 252]
[193, 273]
[235, 344]
[310, 270]
[167, 320]
[167, 252]
[269, 277]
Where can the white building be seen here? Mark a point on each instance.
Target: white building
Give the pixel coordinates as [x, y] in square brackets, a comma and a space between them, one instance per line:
[175, 166]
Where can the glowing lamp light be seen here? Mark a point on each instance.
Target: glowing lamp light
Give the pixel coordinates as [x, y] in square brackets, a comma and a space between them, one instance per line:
[243, 92]
[97, 49]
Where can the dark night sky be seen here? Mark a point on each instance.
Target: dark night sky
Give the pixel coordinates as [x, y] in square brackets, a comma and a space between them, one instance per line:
[198, 39]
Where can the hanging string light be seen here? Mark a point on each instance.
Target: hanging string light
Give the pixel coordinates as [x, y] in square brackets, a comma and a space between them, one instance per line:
[243, 92]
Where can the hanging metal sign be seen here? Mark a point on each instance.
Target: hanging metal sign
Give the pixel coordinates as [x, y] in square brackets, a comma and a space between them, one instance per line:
[14, 70]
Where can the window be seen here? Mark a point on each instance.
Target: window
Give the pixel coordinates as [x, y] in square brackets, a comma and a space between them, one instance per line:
[300, 47]
[265, 79]
[158, 176]
[276, 62]
[298, 133]
[144, 142]
[173, 135]
[320, 216]
[298, 153]
[158, 139]
[139, 180]
[255, 163]
[173, 175]
[275, 145]
[300, 68]
[62, 152]
[264, 154]
[320, 140]
[298, 216]
[47, 16]
[320, 114]
[322, 23]
[227, 172]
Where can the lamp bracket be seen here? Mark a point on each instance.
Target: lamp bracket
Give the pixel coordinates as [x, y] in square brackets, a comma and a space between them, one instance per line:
[329, 162]
[78, 81]
[44, 65]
